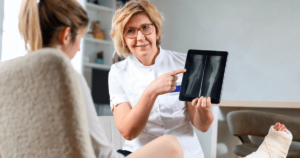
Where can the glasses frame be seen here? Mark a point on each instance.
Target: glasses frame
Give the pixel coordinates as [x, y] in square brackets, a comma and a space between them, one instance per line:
[139, 29]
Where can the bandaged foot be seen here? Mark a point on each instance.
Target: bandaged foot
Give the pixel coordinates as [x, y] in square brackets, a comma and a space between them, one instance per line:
[276, 143]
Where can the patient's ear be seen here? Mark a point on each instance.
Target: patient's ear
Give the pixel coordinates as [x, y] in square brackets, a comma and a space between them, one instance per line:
[64, 36]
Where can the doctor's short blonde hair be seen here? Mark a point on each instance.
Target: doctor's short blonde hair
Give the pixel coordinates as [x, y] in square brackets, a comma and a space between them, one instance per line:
[124, 14]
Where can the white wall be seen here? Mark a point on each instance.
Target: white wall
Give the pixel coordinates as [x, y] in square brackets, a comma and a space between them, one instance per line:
[12, 42]
[262, 38]
[13, 45]
[77, 60]
[1, 24]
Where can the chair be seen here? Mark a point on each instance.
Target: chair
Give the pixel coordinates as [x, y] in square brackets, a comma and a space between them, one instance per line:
[255, 123]
[41, 110]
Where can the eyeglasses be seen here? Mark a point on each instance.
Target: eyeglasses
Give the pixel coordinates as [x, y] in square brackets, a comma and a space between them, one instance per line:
[145, 29]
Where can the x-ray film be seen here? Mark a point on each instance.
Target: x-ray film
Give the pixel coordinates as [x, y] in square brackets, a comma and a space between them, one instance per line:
[204, 75]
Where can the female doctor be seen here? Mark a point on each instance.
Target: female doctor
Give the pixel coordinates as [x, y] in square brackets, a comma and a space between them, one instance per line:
[140, 86]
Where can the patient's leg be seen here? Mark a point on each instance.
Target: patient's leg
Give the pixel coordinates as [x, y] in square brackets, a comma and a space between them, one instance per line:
[162, 147]
[276, 143]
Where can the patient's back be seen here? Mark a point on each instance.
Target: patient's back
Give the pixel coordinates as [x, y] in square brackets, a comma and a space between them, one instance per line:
[41, 108]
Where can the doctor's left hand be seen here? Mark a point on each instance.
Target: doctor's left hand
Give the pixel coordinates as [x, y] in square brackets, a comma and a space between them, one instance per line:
[202, 103]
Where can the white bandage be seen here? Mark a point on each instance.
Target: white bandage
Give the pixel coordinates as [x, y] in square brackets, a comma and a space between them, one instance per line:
[275, 145]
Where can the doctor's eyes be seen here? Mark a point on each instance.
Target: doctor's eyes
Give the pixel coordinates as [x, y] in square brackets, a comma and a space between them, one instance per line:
[145, 27]
[130, 31]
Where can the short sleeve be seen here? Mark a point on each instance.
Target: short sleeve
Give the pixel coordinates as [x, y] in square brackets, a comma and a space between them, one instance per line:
[116, 90]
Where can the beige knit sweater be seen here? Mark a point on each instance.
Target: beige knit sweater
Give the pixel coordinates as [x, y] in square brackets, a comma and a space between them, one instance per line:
[41, 108]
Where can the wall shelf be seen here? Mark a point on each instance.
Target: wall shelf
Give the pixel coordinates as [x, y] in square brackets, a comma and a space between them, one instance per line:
[99, 7]
[102, 13]
[97, 66]
[97, 41]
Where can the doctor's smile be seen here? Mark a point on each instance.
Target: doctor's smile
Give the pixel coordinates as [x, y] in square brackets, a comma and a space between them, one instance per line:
[143, 46]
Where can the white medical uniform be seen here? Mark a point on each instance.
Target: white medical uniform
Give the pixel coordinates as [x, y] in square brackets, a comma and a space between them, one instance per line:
[169, 116]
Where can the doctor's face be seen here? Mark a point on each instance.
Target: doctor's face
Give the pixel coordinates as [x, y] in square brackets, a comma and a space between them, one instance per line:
[140, 36]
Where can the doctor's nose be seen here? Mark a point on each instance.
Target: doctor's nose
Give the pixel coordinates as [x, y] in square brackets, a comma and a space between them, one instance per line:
[140, 35]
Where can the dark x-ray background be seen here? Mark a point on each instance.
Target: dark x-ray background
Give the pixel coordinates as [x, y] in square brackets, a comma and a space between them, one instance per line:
[205, 75]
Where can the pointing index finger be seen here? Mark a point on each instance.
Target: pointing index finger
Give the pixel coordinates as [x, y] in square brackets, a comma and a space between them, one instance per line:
[176, 72]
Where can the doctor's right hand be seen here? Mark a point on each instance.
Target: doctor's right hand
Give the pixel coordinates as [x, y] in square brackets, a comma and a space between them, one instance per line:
[165, 83]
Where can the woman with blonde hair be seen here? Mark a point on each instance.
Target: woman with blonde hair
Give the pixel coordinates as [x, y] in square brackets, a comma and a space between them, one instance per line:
[143, 100]
[59, 25]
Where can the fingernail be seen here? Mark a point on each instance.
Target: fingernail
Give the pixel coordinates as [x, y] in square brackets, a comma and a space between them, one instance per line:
[277, 124]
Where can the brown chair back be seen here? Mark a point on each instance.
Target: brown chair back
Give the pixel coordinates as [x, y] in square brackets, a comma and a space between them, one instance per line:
[256, 123]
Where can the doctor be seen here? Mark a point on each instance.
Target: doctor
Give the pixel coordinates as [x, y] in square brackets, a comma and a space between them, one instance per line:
[141, 86]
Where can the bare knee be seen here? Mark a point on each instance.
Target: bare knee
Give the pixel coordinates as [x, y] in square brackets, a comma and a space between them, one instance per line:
[173, 145]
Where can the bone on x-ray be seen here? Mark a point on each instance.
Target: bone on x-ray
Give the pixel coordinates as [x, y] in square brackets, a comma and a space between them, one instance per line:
[215, 64]
[195, 77]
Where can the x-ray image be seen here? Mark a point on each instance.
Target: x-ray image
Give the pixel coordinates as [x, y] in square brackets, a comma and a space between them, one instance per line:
[211, 76]
[194, 79]
[204, 76]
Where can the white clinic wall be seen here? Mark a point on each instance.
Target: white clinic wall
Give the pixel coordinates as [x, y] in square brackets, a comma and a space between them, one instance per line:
[1, 24]
[11, 43]
[262, 38]
[77, 60]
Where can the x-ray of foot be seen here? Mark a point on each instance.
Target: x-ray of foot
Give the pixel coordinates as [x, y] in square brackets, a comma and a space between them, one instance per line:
[195, 76]
[215, 64]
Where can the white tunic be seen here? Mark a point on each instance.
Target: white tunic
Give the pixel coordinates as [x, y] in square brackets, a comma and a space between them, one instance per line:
[169, 116]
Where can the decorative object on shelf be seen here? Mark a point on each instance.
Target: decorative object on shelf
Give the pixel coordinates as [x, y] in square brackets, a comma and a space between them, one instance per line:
[99, 2]
[90, 30]
[117, 58]
[120, 3]
[97, 32]
[93, 1]
[99, 58]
